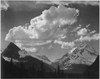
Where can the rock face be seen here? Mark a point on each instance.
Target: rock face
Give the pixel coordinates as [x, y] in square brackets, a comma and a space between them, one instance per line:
[16, 54]
[11, 51]
[14, 57]
[80, 57]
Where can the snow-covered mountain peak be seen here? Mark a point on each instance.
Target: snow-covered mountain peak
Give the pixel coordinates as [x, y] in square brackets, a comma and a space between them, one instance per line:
[82, 54]
[83, 47]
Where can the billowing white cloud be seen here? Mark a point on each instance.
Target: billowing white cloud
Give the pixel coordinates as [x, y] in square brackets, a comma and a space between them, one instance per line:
[45, 27]
[68, 45]
[92, 32]
[65, 45]
[85, 34]
[82, 32]
[55, 17]
[46, 34]
[89, 37]
[18, 34]
[43, 30]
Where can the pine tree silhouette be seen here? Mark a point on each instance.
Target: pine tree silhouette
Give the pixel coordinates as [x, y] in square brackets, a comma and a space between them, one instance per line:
[22, 71]
[42, 70]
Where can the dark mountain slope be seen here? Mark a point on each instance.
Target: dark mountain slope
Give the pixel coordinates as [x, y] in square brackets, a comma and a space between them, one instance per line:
[93, 70]
[11, 51]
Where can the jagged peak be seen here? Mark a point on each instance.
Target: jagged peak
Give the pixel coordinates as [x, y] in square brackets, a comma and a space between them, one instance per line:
[11, 51]
[84, 46]
[12, 46]
[89, 48]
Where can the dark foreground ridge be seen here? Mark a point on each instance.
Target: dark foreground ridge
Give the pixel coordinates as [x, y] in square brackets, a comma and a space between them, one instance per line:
[41, 70]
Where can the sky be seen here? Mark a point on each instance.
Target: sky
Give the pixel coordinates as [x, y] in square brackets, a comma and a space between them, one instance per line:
[50, 29]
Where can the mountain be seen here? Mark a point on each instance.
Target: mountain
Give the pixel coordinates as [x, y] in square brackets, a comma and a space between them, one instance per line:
[44, 58]
[18, 63]
[11, 51]
[14, 53]
[78, 59]
[33, 68]
[93, 70]
[22, 65]
[20, 55]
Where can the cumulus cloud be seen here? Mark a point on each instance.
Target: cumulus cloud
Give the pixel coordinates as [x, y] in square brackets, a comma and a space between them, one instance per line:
[65, 45]
[45, 27]
[89, 38]
[82, 32]
[68, 45]
[85, 34]
[20, 34]
[92, 35]
[47, 30]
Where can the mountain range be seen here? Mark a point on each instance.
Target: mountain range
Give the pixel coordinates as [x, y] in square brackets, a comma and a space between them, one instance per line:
[75, 61]
[78, 59]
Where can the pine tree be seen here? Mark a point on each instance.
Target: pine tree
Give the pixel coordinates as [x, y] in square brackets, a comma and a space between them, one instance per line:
[22, 70]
